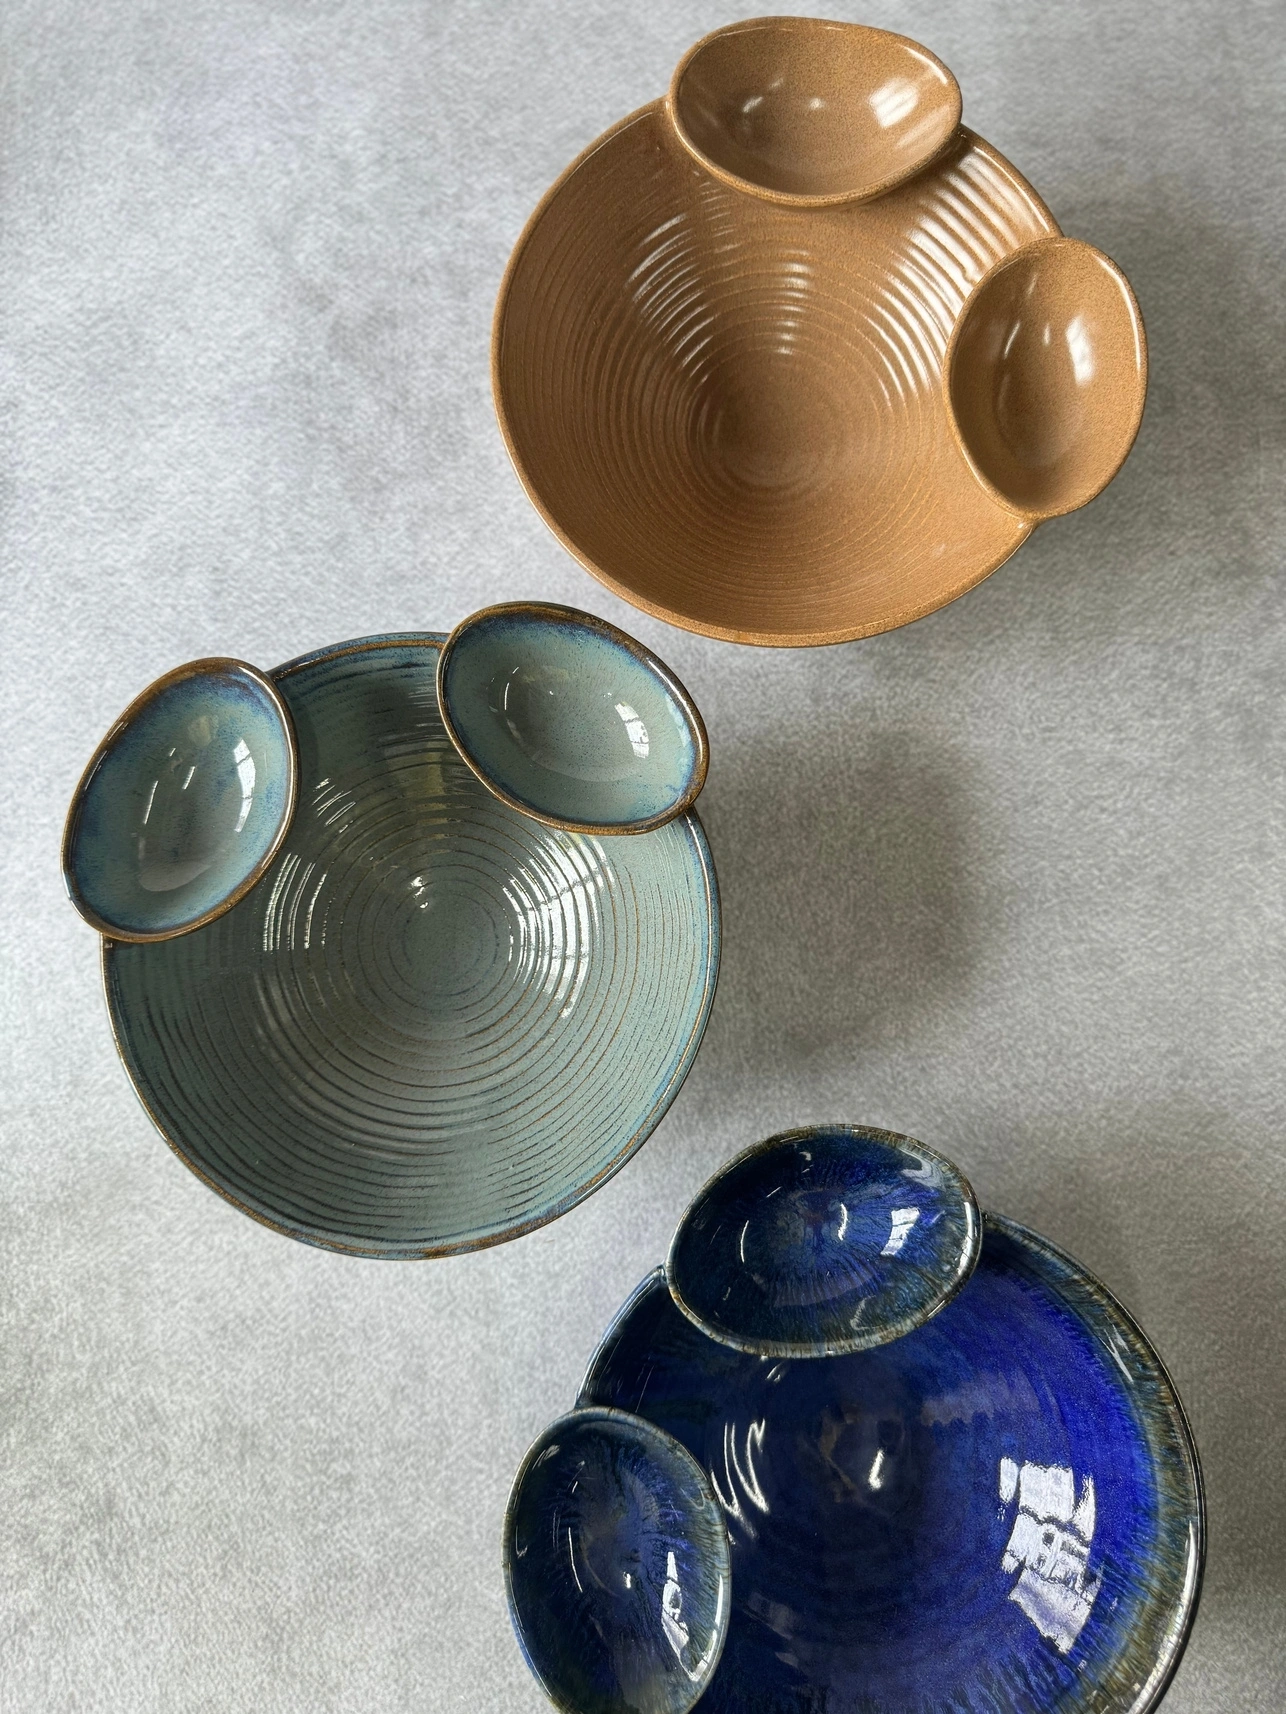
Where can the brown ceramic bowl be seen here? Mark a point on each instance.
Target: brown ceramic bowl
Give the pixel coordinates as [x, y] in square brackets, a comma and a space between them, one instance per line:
[811, 112]
[733, 412]
[1046, 376]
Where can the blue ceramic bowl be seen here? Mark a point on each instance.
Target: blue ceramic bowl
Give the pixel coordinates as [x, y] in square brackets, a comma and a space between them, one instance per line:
[183, 804]
[568, 719]
[616, 1565]
[824, 1240]
[1000, 1513]
[435, 1023]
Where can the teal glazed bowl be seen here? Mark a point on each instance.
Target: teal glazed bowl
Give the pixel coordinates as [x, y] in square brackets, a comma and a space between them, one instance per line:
[184, 803]
[617, 1567]
[436, 1023]
[569, 719]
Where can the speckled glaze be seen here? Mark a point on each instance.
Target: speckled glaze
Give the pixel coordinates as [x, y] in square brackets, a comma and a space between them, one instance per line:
[824, 1240]
[435, 1023]
[810, 112]
[1046, 375]
[733, 412]
[1000, 1513]
[617, 1567]
[567, 718]
[183, 804]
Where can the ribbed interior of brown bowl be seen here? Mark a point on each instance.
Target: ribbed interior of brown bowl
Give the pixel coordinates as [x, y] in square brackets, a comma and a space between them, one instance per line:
[733, 412]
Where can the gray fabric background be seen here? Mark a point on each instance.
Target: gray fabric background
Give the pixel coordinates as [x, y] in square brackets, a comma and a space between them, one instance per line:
[1010, 880]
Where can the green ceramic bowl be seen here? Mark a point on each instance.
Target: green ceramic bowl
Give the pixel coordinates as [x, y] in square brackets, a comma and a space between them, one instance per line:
[435, 1023]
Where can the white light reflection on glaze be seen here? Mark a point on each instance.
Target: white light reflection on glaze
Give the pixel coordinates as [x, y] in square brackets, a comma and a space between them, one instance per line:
[894, 101]
[676, 1632]
[875, 1477]
[1049, 1545]
[635, 730]
[246, 775]
[901, 1220]
[1081, 352]
[742, 1478]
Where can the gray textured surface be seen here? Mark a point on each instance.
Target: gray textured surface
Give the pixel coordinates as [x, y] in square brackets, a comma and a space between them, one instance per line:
[1009, 880]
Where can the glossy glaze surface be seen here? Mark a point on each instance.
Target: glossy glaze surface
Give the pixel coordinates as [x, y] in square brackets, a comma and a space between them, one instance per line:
[183, 803]
[435, 1023]
[1047, 375]
[824, 1240]
[811, 112]
[569, 719]
[998, 1514]
[617, 1567]
[732, 412]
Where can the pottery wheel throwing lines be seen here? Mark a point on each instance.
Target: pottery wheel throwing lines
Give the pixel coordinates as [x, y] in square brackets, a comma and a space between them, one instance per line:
[435, 1023]
[736, 414]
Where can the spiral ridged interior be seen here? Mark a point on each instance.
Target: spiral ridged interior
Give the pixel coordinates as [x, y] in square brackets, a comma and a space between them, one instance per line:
[733, 412]
[435, 1022]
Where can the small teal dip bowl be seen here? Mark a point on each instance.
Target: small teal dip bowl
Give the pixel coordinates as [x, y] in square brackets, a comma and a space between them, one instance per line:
[184, 803]
[569, 720]
[823, 1241]
[617, 1566]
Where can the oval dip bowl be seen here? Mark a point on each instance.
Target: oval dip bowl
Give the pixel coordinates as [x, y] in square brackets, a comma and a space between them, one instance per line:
[617, 1567]
[1046, 376]
[184, 803]
[809, 112]
[825, 1240]
[566, 718]
[436, 1023]
[1001, 1511]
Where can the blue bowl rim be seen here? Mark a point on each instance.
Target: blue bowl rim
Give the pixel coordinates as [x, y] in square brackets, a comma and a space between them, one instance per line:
[555, 613]
[857, 1341]
[646, 1431]
[1107, 1308]
[660, 1107]
[210, 664]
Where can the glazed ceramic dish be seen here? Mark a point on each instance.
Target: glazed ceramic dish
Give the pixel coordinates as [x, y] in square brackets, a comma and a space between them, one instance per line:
[435, 1023]
[1046, 376]
[568, 719]
[1000, 1513]
[829, 1239]
[183, 804]
[736, 412]
[809, 112]
[617, 1567]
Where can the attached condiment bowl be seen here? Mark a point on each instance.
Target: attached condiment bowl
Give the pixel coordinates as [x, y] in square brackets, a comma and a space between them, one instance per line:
[568, 719]
[824, 1241]
[617, 1567]
[184, 803]
[1046, 375]
[810, 112]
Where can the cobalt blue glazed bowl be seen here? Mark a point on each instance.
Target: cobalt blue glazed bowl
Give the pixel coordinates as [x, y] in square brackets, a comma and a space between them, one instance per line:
[183, 804]
[1000, 1513]
[436, 1023]
[824, 1240]
[566, 718]
[616, 1566]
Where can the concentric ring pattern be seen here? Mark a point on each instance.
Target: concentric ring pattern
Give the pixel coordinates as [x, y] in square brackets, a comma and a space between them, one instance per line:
[733, 412]
[1000, 1513]
[435, 1023]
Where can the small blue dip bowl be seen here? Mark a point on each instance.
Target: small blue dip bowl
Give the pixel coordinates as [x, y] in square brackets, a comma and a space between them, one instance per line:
[617, 1567]
[822, 1241]
[569, 720]
[184, 803]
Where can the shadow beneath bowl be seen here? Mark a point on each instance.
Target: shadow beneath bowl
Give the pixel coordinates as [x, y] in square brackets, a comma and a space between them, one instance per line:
[1203, 479]
[846, 897]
